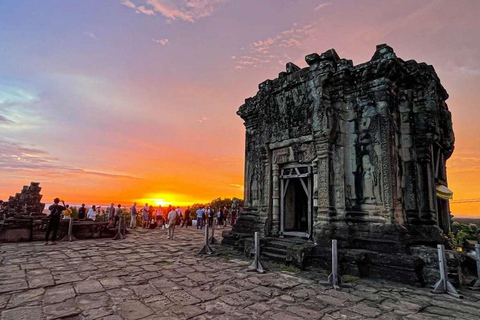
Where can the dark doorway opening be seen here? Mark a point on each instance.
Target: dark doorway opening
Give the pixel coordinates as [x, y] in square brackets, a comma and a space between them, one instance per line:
[296, 207]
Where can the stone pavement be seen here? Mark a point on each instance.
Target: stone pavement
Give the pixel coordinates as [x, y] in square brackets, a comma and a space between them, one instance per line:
[149, 277]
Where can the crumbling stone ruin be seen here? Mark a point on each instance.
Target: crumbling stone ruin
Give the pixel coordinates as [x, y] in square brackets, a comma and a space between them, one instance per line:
[353, 153]
[22, 219]
[27, 202]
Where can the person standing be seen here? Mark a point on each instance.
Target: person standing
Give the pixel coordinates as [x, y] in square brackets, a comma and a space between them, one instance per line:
[186, 218]
[226, 214]
[172, 222]
[145, 216]
[82, 212]
[211, 215]
[179, 215]
[133, 216]
[92, 213]
[54, 222]
[234, 217]
[200, 213]
[111, 214]
[220, 217]
[159, 216]
[118, 214]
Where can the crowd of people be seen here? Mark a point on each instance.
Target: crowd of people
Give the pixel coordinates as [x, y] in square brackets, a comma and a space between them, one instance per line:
[148, 216]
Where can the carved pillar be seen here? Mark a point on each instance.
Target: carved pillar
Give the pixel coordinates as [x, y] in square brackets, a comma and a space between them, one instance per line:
[275, 199]
[323, 187]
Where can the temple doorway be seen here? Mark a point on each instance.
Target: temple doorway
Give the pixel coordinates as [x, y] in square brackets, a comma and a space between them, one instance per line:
[296, 201]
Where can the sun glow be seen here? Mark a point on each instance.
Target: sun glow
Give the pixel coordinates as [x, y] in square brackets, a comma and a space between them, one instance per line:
[166, 199]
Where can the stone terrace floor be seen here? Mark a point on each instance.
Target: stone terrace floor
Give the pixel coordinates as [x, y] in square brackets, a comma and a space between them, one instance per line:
[149, 277]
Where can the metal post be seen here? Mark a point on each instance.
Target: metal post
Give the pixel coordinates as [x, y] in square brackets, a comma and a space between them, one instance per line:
[476, 286]
[119, 235]
[333, 278]
[206, 248]
[257, 265]
[212, 239]
[69, 236]
[443, 285]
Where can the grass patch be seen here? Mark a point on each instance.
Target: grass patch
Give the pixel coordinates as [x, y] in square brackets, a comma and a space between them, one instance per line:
[226, 256]
[283, 267]
[348, 278]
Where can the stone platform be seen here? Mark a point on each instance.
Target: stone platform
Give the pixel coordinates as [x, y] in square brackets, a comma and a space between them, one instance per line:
[149, 277]
[33, 229]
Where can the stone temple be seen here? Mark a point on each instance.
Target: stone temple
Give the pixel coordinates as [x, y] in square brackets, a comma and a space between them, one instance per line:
[353, 153]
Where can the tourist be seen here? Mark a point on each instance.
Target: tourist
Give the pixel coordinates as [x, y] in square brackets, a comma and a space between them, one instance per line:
[145, 216]
[186, 218]
[118, 214]
[92, 213]
[67, 213]
[54, 222]
[133, 216]
[100, 213]
[210, 216]
[82, 212]
[159, 215]
[172, 222]
[179, 215]
[220, 216]
[234, 216]
[151, 211]
[200, 213]
[111, 214]
[226, 214]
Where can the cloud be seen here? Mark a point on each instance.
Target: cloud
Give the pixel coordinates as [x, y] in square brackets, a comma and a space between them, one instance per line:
[129, 4]
[5, 121]
[464, 162]
[18, 105]
[90, 35]
[162, 42]
[274, 48]
[143, 10]
[203, 119]
[16, 157]
[185, 10]
[322, 5]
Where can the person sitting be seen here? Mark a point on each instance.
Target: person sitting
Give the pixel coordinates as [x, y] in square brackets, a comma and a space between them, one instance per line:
[92, 213]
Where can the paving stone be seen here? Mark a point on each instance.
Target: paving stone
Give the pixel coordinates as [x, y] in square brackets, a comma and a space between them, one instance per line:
[88, 286]
[111, 283]
[61, 310]
[145, 290]
[67, 278]
[26, 298]
[365, 310]
[92, 301]
[96, 313]
[133, 309]
[10, 285]
[4, 300]
[181, 297]
[58, 294]
[40, 281]
[203, 295]
[144, 279]
[23, 313]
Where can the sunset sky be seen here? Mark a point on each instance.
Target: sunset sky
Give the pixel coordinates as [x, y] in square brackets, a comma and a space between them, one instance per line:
[128, 100]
